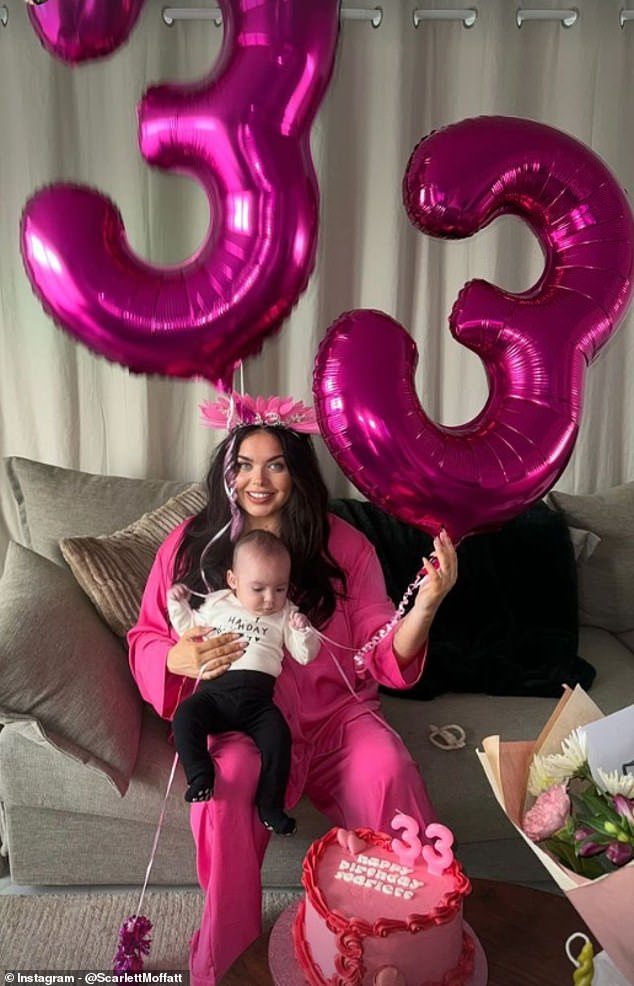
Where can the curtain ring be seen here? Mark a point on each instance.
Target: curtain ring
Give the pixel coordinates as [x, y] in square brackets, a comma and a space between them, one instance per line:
[567, 17]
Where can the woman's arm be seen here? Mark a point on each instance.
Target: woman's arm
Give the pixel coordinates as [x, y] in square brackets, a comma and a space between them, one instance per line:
[368, 608]
[412, 632]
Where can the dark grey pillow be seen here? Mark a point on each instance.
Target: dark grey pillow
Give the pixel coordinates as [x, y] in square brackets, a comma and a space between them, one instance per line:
[606, 576]
[60, 665]
[509, 626]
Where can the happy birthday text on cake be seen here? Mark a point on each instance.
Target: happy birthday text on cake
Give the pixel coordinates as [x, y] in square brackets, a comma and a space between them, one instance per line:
[381, 875]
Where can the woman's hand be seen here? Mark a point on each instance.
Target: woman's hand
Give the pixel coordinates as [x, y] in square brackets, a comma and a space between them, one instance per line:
[196, 650]
[440, 577]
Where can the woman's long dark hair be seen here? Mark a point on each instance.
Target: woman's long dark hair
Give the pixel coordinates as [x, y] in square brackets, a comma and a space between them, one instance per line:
[316, 578]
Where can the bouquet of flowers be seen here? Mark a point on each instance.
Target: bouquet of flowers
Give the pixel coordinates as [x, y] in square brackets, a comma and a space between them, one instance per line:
[575, 814]
[587, 825]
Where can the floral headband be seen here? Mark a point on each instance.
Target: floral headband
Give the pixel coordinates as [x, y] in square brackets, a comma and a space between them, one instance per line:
[241, 409]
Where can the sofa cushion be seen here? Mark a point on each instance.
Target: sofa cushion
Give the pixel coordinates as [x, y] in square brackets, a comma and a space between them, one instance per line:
[113, 569]
[61, 666]
[606, 576]
[53, 502]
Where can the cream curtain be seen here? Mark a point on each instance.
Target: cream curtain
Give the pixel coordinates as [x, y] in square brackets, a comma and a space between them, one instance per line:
[62, 404]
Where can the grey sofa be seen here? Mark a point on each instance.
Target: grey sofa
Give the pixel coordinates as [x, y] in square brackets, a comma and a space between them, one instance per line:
[84, 762]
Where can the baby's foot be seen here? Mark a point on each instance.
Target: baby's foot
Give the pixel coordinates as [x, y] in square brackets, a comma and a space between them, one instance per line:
[277, 821]
[200, 789]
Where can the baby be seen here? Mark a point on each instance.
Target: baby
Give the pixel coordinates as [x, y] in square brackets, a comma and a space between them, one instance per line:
[256, 605]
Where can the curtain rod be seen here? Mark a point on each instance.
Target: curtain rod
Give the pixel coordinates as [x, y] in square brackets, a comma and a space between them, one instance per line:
[171, 14]
[467, 15]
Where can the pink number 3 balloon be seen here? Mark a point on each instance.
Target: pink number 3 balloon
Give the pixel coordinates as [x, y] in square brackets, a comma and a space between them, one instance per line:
[243, 132]
[535, 346]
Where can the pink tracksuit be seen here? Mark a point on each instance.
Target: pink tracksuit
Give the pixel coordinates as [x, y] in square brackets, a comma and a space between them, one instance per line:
[353, 767]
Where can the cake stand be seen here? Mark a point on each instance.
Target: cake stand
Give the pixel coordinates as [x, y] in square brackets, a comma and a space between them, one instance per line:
[286, 972]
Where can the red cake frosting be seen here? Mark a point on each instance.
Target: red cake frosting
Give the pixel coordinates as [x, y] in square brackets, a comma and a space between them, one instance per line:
[369, 919]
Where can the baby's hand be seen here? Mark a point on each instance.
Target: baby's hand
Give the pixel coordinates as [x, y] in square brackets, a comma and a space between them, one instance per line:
[298, 621]
[179, 593]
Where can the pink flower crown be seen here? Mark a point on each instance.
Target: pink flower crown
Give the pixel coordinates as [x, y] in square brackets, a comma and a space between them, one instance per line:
[241, 409]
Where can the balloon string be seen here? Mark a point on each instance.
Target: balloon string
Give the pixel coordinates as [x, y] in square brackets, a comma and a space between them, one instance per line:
[159, 825]
[157, 833]
[356, 697]
[359, 658]
[203, 595]
[228, 482]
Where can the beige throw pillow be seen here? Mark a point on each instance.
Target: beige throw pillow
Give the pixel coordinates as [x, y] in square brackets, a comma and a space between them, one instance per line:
[62, 668]
[606, 577]
[113, 569]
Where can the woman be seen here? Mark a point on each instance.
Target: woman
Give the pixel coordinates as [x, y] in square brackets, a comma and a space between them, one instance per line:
[351, 765]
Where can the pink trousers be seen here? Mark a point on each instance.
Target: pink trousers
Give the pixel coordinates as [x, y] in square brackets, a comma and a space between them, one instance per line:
[362, 783]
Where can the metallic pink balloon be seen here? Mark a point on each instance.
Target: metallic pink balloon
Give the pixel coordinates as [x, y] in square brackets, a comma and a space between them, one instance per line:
[78, 30]
[243, 132]
[535, 345]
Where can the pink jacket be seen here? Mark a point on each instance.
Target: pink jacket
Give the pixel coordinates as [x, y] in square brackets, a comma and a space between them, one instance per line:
[314, 699]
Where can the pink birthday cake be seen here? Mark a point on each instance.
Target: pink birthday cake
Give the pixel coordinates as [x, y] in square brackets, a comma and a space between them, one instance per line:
[372, 916]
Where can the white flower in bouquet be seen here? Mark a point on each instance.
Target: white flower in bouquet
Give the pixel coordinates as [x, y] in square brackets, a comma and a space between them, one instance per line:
[560, 767]
[614, 783]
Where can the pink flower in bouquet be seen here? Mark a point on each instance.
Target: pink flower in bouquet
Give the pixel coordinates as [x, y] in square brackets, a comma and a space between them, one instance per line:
[624, 807]
[549, 814]
[585, 846]
[619, 853]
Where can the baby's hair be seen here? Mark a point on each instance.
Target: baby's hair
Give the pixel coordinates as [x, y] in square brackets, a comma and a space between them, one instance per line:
[263, 541]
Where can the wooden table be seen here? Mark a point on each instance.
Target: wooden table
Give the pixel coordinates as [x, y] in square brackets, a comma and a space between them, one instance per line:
[523, 933]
